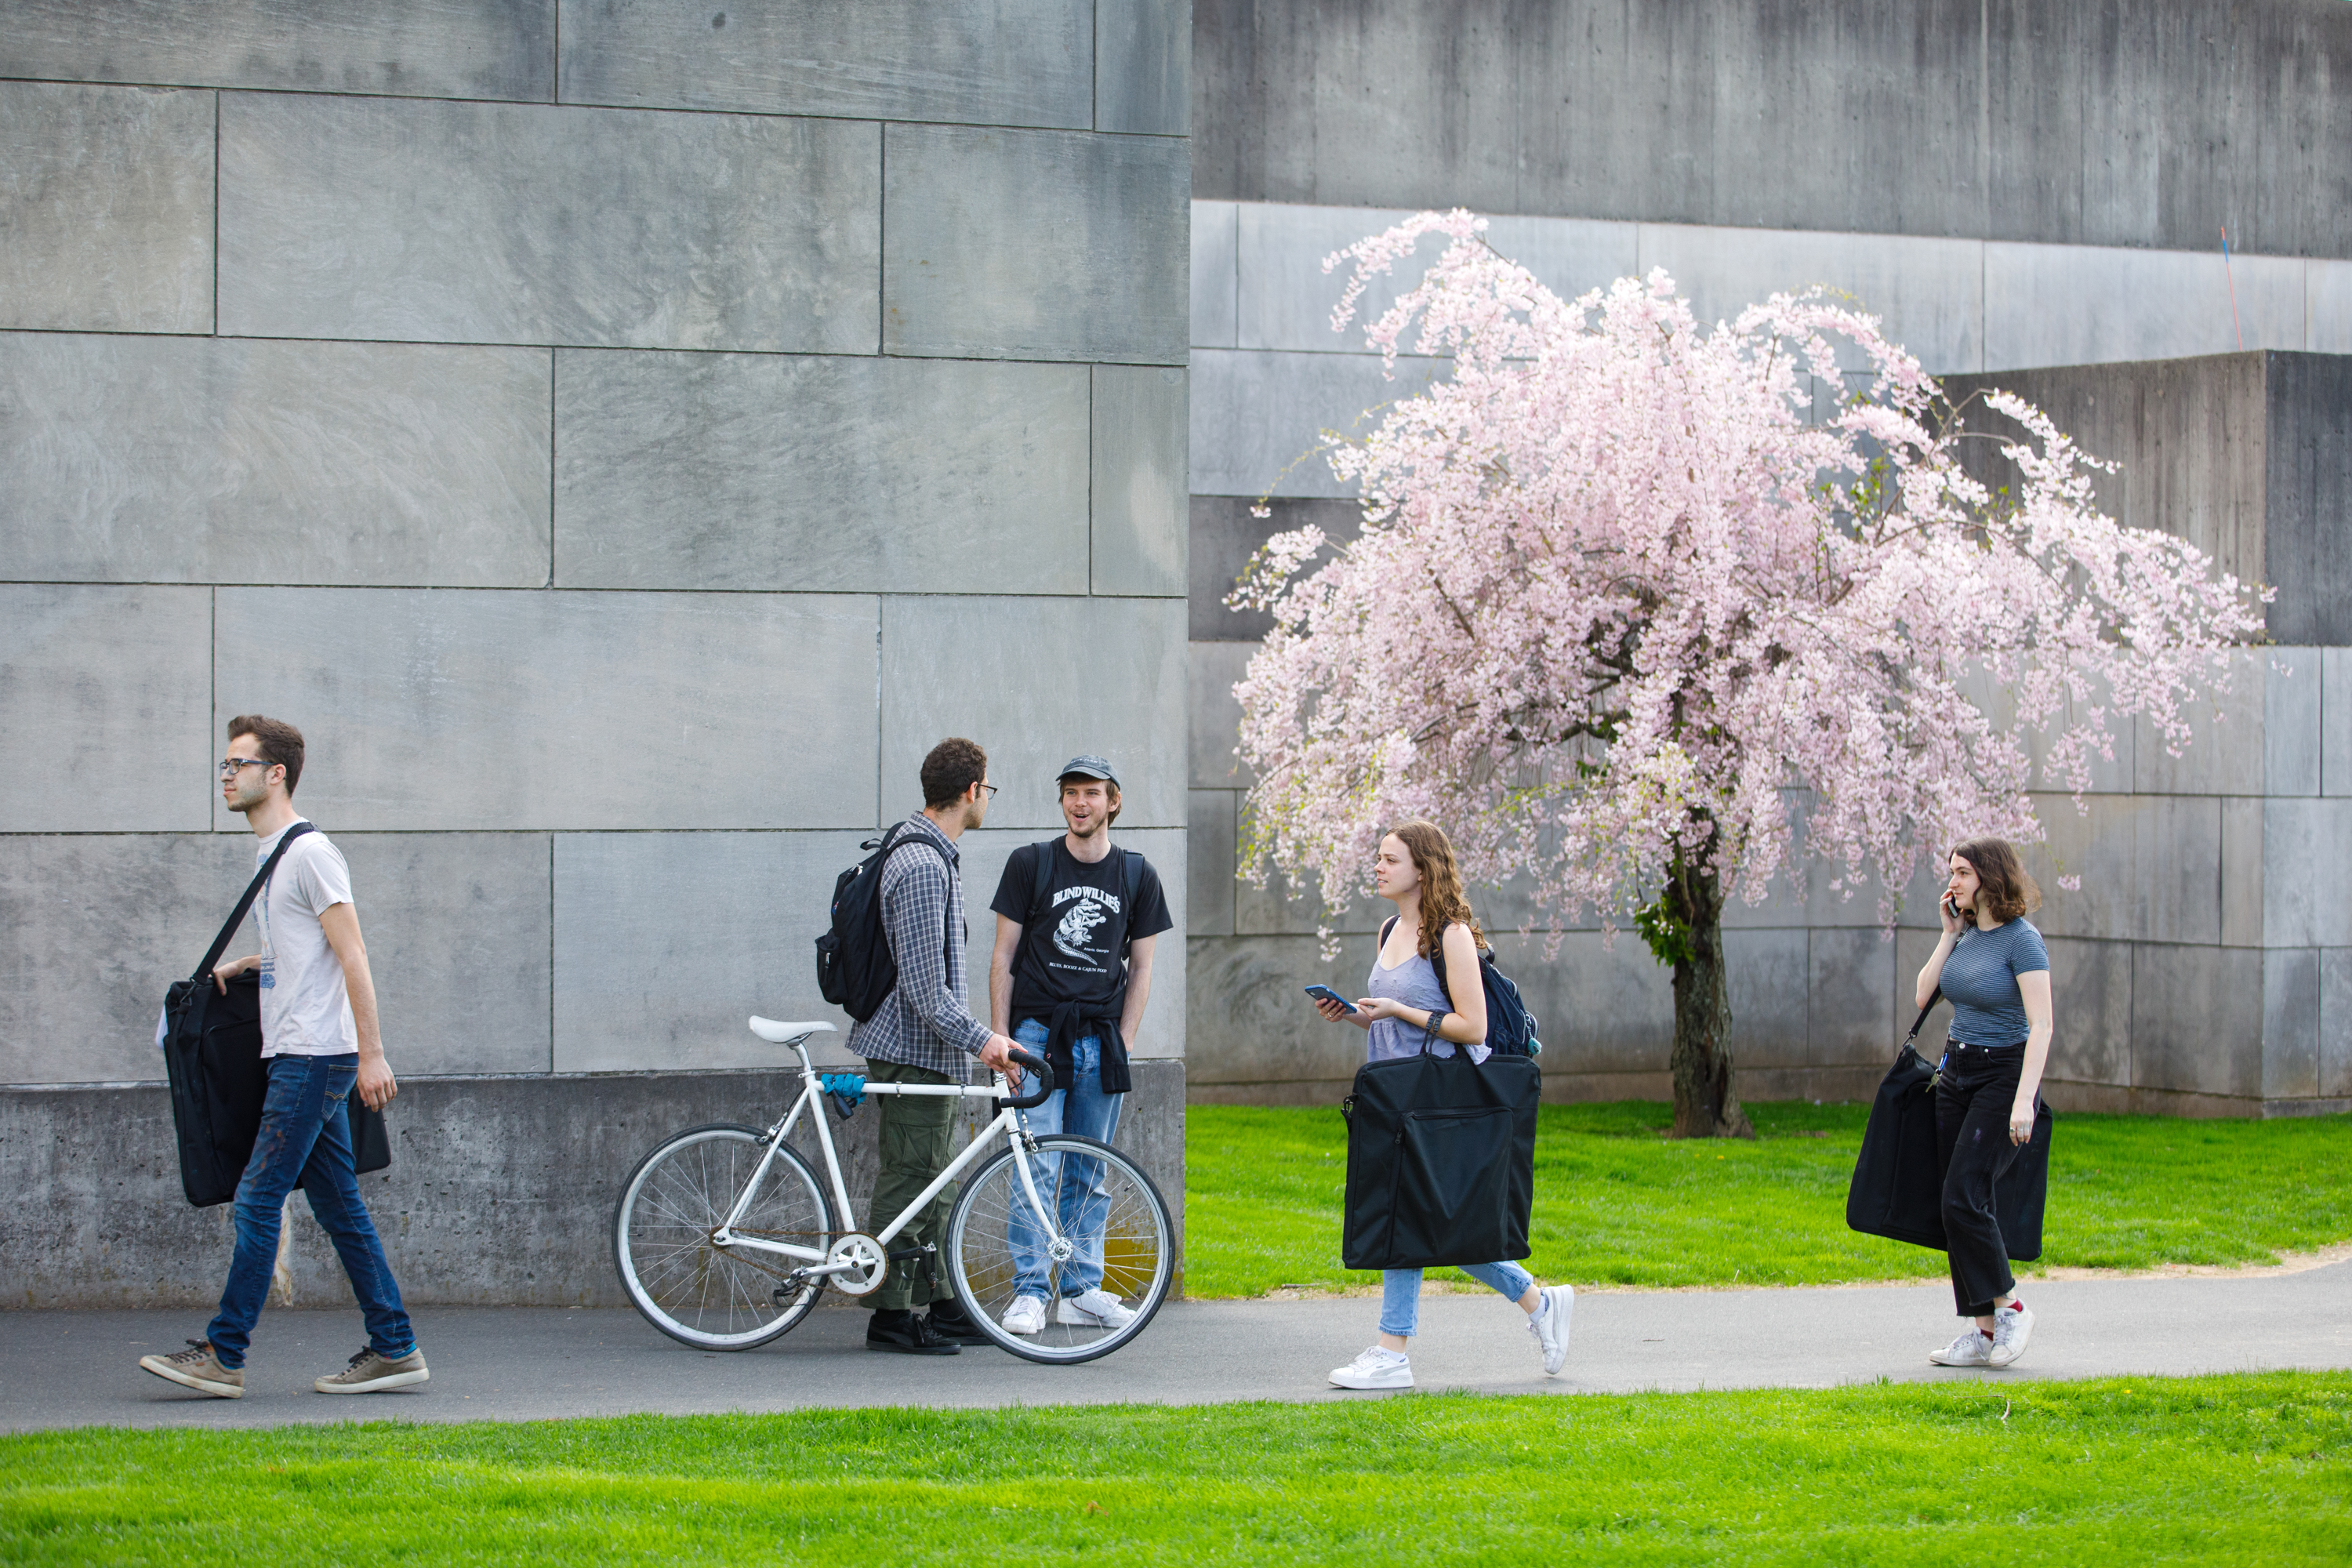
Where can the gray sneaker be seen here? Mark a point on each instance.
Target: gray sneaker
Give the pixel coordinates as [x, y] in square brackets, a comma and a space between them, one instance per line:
[1972, 1349]
[370, 1372]
[198, 1368]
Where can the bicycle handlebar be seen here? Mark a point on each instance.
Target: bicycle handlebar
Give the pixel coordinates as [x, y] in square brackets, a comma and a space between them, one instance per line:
[1045, 1081]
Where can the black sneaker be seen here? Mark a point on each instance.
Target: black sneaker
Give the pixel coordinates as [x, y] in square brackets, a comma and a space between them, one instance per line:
[950, 1321]
[907, 1335]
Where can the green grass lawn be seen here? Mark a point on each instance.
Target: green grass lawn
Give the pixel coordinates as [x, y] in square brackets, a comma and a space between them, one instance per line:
[1618, 1203]
[2255, 1468]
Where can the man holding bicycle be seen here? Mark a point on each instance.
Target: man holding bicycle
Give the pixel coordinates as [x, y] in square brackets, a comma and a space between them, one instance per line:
[924, 1034]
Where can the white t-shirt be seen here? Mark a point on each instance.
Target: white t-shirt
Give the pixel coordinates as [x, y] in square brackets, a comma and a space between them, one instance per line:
[306, 1009]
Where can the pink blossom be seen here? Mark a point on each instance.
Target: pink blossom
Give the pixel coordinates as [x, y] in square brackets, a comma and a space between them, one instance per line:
[1621, 599]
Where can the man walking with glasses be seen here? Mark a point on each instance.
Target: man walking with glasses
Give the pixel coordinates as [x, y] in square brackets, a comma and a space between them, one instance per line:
[924, 1033]
[320, 1033]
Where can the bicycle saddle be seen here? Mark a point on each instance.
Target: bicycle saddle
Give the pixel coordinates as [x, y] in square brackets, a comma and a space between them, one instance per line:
[778, 1033]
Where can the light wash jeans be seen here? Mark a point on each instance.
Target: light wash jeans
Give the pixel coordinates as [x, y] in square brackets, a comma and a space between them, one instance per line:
[1400, 1292]
[305, 1141]
[1082, 1108]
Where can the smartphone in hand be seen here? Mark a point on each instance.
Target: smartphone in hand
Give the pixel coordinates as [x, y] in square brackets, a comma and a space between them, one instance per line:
[1325, 993]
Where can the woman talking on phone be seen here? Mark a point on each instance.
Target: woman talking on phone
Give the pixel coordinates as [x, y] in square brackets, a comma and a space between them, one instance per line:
[1407, 1005]
[1995, 971]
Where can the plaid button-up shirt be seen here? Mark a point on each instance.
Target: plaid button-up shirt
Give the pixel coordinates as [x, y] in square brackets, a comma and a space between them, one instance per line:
[923, 1022]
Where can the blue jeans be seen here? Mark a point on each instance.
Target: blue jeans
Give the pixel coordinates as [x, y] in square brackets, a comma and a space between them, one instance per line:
[1080, 1107]
[1400, 1292]
[305, 1141]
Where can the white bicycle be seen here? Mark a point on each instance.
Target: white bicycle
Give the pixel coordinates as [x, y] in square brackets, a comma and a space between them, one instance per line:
[725, 1237]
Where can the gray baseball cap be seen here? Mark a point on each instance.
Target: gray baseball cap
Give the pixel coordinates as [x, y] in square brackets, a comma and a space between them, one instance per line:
[1087, 767]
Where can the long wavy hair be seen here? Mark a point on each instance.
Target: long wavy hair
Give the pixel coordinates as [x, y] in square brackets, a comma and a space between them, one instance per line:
[1442, 900]
[2003, 888]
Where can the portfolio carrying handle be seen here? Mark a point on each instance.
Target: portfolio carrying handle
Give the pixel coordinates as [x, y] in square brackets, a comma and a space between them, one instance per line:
[1920, 1021]
[252, 891]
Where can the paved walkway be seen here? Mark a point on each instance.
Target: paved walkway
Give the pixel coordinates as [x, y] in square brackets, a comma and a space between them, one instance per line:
[70, 1369]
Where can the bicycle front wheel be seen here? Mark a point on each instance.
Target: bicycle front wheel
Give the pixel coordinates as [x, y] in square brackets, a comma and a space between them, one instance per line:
[711, 1297]
[1115, 1237]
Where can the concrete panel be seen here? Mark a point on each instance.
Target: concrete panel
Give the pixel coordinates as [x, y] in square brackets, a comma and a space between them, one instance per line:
[1285, 298]
[2243, 864]
[2307, 491]
[1215, 235]
[985, 853]
[1214, 717]
[1274, 910]
[1249, 1023]
[344, 218]
[458, 929]
[2335, 721]
[100, 926]
[1912, 948]
[2197, 1019]
[1023, 62]
[429, 49]
[1851, 1016]
[1771, 986]
[1258, 418]
[666, 942]
[2229, 748]
[2335, 1021]
[1143, 68]
[2073, 305]
[1035, 681]
[1929, 294]
[1208, 845]
[2091, 1003]
[106, 196]
[1225, 536]
[157, 459]
[1034, 244]
[2327, 306]
[2290, 1022]
[1143, 524]
[501, 1191]
[488, 710]
[1601, 1008]
[107, 692]
[2290, 720]
[2307, 865]
[736, 471]
[2151, 865]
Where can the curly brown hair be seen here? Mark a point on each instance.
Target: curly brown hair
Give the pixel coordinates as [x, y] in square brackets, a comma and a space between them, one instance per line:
[2005, 891]
[1442, 900]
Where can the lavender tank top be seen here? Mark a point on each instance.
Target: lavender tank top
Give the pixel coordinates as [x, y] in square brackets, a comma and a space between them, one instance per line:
[1414, 983]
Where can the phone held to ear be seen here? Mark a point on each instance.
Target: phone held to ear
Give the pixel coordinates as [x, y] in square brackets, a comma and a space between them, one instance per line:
[1325, 993]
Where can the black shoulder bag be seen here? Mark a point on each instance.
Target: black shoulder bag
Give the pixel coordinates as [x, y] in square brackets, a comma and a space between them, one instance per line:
[211, 1053]
[1441, 1160]
[1897, 1189]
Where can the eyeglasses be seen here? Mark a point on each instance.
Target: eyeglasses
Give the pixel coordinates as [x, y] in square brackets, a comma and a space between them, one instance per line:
[990, 788]
[230, 764]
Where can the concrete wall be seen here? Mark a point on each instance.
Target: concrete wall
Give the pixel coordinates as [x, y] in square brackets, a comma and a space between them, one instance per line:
[2005, 185]
[624, 438]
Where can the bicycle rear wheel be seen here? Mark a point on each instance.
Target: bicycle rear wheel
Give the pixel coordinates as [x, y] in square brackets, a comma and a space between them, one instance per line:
[1109, 1211]
[717, 1297]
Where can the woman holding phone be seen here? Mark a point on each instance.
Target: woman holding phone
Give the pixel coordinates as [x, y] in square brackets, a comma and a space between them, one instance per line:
[1407, 1006]
[1994, 969]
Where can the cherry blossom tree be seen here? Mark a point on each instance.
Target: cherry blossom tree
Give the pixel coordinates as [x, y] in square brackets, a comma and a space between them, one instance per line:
[1625, 596]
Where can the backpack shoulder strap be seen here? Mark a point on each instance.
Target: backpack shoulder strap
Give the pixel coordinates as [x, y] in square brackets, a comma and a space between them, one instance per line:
[1130, 874]
[252, 891]
[1041, 876]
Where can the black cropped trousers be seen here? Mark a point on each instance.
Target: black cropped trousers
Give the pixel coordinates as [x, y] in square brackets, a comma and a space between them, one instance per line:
[1972, 1104]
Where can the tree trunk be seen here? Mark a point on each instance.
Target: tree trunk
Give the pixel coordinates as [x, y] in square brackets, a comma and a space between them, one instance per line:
[1705, 1103]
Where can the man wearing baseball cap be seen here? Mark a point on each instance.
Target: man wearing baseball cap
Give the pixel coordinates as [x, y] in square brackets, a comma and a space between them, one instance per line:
[1077, 921]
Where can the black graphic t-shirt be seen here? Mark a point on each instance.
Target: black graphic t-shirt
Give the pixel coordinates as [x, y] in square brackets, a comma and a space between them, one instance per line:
[1074, 941]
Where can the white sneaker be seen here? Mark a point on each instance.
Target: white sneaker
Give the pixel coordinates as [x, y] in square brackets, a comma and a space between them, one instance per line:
[1026, 1316]
[2012, 1326]
[1096, 1308]
[1972, 1349]
[1375, 1368]
[1549, 1326]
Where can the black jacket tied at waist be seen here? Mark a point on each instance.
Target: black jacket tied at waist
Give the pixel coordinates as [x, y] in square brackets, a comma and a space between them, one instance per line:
[1071, 1022]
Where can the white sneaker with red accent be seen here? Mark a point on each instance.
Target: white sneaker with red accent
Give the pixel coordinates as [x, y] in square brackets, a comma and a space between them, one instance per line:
[2011, 1326]
[1972, 1349]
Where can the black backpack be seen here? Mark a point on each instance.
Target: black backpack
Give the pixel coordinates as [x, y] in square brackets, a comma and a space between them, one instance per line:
[1510, 1027]
[856, 969]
